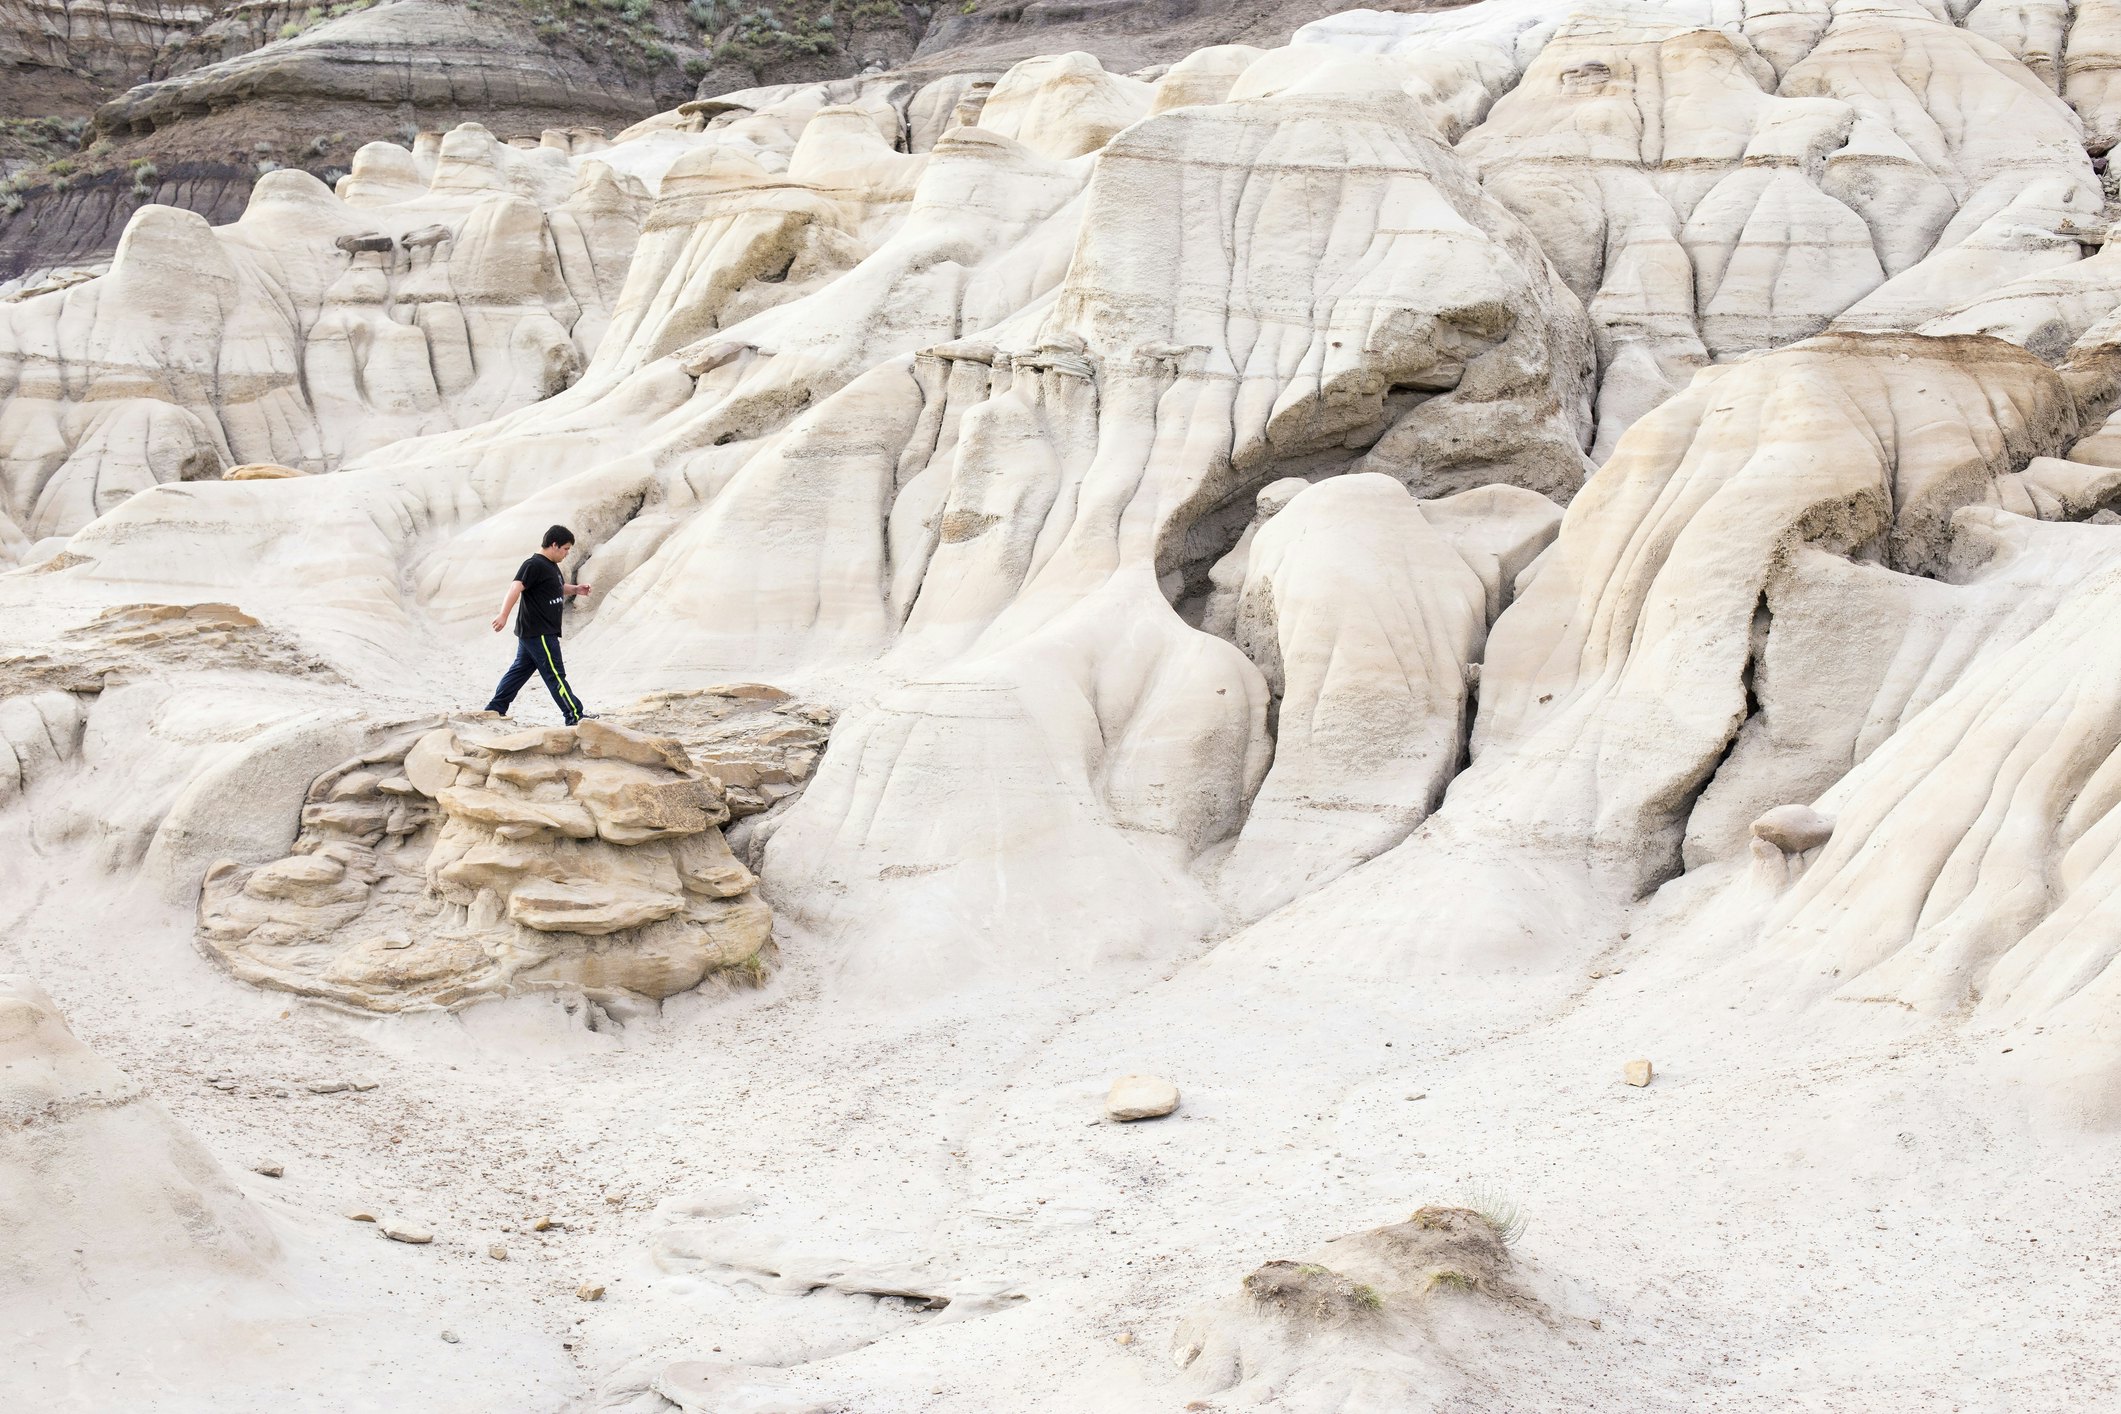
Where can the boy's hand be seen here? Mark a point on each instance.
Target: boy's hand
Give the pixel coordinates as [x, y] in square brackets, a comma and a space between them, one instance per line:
[499, 622]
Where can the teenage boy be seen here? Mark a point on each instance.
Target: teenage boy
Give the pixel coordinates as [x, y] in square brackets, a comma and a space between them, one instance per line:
[542, 593]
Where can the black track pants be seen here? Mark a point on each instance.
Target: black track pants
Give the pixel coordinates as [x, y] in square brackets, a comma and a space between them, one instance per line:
[540, 656]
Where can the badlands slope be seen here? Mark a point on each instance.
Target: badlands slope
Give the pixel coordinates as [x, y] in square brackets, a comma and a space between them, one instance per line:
[1380, 580]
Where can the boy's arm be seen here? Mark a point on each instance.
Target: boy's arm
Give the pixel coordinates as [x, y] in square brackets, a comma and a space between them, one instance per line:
[515, 592]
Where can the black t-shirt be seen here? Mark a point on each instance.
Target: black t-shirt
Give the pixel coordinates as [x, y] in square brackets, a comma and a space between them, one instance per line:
[544, 595]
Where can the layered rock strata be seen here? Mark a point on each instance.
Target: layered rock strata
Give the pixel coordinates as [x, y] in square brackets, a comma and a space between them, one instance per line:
[222, 94]
[423, 297]
[473, 861]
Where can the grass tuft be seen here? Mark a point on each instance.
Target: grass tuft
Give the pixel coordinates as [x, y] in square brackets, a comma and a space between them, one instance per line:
[1500, 1210]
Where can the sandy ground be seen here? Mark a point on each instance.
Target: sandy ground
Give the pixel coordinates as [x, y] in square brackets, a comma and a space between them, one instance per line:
[1817, 1212]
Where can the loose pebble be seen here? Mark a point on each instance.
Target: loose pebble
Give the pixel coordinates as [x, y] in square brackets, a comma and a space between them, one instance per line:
[269, 1170]
[588, 1292]
[397, 1230]
[1135, 1097]
[497, 1252]
[1637, 1072]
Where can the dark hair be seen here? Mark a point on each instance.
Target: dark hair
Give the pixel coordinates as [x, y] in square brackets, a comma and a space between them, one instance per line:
[558, 535]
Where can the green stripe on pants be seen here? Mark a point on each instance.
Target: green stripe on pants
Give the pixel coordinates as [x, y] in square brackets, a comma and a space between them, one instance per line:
[566, 693]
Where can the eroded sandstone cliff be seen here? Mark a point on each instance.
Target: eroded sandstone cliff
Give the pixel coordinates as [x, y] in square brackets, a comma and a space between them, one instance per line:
[1377, 571]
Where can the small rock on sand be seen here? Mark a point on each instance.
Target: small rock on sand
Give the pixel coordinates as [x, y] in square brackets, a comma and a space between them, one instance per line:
[1637, 1072]
[589, 1291]
[1140, 1097]
[497, 1252]
[337, 1087]
[541, 1224]
[398, 1230]
[269, 1170]
[362, 1215]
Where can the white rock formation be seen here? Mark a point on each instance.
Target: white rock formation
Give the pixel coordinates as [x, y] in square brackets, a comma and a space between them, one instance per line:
[1527, 534]
[314, 329]
[1365, 619]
